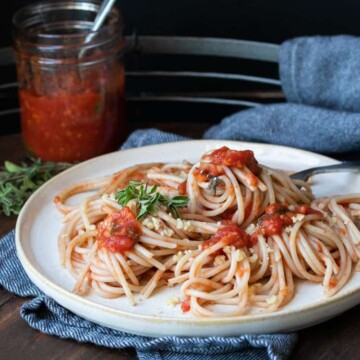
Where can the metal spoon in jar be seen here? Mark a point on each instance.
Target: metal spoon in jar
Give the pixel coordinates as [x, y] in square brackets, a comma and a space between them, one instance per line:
[100, 17]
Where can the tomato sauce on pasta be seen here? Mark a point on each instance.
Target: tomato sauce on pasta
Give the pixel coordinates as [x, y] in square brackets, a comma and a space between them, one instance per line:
[231, 234]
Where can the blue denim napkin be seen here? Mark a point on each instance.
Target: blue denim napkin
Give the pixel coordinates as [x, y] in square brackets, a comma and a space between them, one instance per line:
[302, 126]
[323, 71]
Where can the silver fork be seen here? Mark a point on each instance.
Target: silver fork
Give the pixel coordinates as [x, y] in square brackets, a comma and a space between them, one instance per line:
[351, 166]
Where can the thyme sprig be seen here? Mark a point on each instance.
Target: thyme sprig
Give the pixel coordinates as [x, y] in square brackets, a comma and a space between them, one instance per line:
[148, 199]
[18, 182]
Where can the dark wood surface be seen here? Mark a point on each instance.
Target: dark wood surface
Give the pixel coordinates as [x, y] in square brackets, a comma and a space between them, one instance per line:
[334, 339]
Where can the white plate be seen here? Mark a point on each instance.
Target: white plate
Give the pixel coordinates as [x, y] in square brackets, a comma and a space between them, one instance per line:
[39, 223]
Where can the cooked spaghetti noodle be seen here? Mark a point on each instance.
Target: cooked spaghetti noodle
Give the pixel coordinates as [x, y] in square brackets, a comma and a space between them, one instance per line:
[225, 230]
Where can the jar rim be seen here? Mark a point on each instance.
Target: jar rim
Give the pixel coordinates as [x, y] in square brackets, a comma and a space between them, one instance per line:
[27, 17]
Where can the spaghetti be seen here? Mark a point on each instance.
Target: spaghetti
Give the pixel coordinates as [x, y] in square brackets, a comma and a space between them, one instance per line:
[227, 230]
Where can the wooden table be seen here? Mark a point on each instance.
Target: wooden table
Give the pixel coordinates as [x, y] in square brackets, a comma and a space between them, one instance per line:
[334, 339]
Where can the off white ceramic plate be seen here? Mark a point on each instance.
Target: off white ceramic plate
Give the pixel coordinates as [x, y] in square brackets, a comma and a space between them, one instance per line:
[39, 223]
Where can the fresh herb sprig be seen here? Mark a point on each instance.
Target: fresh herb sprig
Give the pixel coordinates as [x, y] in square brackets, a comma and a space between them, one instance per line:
[18, 182]
[149, 198]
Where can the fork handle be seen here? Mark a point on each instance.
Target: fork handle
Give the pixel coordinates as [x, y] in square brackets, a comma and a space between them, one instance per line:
[351, 166]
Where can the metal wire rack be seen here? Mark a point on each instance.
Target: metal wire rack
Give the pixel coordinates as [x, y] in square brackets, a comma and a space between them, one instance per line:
[186, 79]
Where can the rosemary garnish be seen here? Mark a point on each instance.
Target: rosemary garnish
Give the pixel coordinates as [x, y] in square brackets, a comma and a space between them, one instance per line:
[148, 199]
[18, 182]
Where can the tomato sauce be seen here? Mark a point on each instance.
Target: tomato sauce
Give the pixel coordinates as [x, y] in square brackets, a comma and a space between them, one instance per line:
[185, 305]
[229, 234]
[65, 117]
[228, 214]
[306, 210]
[119, 231]
[274, 224]
[201, 175]
[232, 158]
[278, 216]
[182, 188]
[274, 220]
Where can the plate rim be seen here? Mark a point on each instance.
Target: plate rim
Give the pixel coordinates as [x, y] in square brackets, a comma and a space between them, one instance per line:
[31, 269]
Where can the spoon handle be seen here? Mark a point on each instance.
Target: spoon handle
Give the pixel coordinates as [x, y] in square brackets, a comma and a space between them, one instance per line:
[100, 17]
[104, 10]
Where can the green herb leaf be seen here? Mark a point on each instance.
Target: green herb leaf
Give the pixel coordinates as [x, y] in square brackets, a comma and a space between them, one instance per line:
[178, 201]
[175, 202]
[11, 167]
[148, 199]
[18, 182]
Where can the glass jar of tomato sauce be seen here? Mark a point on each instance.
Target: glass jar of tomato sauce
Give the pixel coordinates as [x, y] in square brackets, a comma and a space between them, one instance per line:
[71, 80]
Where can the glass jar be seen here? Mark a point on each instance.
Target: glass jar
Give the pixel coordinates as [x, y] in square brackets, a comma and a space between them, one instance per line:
[71, 80]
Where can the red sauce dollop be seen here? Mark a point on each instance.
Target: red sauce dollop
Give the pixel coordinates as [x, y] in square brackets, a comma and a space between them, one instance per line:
[276, 208]
[306, 210]
[277, 216]
[228, 214]
[201, 175]
[182, 188]
[119, 231]
[233, 158]
[274, 224]
[230, 234]
[185, 305]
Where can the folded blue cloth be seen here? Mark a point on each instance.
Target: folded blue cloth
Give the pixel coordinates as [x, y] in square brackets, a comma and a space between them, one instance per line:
[301, 126]
[323, 71]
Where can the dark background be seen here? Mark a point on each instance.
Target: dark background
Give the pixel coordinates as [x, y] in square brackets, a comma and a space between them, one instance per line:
[259, 20]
